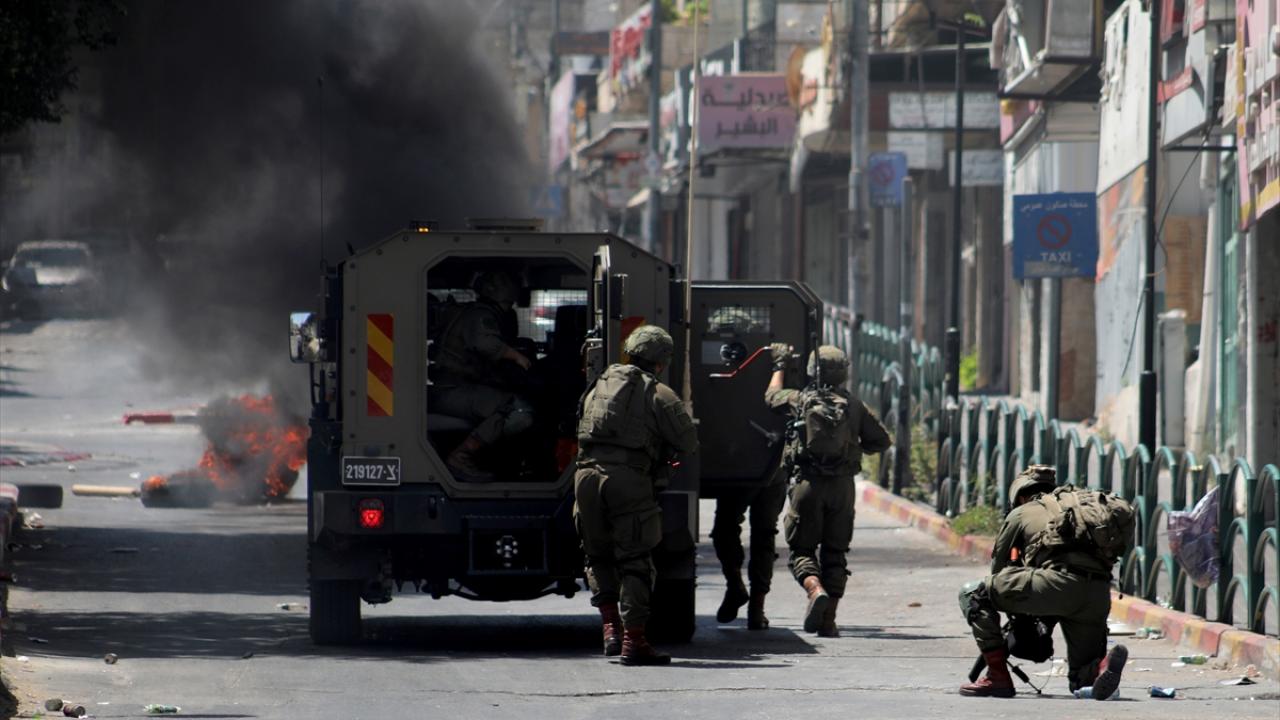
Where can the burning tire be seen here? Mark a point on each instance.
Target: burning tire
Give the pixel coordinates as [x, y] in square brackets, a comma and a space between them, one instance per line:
[335, 612]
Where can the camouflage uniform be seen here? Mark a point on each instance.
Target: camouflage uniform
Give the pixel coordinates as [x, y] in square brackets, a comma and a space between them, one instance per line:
[464, 385]
[762, 505]
[470, 349]
[631, 425]
[1072, 587]
[822, 507]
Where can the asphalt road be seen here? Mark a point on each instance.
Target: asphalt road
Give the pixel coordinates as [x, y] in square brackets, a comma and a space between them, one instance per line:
[206, 608]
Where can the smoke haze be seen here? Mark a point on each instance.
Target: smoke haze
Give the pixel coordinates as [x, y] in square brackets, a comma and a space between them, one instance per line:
[212, 116]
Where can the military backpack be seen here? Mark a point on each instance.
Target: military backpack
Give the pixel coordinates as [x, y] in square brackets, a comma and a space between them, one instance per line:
[1089, 521]
[822, 430]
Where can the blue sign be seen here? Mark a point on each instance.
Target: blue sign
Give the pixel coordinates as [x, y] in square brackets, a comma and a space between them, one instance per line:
[885, 172]
[1055, 235]
[547, 201]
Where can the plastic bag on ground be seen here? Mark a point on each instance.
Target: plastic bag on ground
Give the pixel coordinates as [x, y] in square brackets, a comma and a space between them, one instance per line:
[1193, 539]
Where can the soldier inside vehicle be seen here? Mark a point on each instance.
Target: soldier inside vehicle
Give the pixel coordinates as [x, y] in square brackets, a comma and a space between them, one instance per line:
[504, 365]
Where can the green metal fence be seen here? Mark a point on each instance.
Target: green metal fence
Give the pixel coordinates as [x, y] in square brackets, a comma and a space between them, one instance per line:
[983, 443]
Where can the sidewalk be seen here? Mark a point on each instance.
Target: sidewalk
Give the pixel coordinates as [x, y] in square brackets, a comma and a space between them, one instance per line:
[1196, 634]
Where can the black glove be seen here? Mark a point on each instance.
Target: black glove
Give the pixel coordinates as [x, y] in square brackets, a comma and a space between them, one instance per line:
[781, 354]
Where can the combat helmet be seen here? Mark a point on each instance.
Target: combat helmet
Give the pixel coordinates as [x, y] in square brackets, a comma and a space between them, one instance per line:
[1032, 480]
[650, 343]
[830, 364]
[497, 287]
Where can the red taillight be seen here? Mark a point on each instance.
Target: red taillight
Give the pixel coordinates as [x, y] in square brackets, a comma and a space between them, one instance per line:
[371, 514]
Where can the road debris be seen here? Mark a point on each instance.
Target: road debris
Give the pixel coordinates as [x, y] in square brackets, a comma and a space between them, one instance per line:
[73, 710]
[291, 606]
[1242, 680]
[104, 491]
[1197, 659]
[162, 709]
[1086, 693]
[914, 605]
[53, 704]
[111, 658]
[1149, 633]
[1251, 671]
[1164, 693]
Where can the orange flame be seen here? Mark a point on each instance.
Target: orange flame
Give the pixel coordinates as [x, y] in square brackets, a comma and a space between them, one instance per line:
[256, 453]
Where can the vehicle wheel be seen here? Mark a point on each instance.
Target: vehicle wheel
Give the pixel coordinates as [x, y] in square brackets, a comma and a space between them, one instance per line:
[672, 617]
[335, 612]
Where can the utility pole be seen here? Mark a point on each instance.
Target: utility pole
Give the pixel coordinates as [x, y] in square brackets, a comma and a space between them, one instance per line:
[902, 441]
[952, 345]
[858, 96]
[653, 208]
[1147, 381]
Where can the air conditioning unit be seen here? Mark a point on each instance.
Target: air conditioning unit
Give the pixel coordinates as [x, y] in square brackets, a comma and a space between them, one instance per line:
[1049, 44]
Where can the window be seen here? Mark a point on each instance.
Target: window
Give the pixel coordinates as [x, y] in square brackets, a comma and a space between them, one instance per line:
[739, 320]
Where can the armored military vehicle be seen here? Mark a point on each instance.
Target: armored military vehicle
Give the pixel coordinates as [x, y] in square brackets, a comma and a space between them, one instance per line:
[387, 515]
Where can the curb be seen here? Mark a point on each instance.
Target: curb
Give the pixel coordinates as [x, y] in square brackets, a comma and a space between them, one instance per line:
[1210, 638]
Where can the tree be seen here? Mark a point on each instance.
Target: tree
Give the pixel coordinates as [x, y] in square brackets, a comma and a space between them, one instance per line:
[37, 41]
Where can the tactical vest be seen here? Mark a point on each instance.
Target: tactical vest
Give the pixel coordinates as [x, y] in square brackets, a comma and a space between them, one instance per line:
[616, 409]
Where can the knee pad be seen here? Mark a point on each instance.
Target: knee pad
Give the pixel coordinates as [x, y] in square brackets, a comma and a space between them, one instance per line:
[973, 596]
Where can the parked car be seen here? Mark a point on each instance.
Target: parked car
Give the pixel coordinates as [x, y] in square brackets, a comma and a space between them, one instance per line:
[52, 277]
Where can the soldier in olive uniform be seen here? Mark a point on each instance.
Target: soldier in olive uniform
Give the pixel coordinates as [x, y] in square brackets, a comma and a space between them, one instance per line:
[1073, 587]
[464, 385]
[761, 505]
[819, 522]
[631, 426]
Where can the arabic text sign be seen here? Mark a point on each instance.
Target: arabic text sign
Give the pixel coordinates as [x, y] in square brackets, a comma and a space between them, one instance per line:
[937, 110]
[745, 111]
[1055, 235]
[885, 172]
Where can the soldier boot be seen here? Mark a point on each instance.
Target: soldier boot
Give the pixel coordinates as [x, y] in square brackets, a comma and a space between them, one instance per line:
[612, 622]
[735, 596]
[636, 650]
[828, 628]
[818, 601]
[462, 461]
[756, 619]
[1109, 673]
[997, 682]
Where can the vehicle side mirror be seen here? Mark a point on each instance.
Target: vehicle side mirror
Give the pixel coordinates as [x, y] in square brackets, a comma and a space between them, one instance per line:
[305, 343]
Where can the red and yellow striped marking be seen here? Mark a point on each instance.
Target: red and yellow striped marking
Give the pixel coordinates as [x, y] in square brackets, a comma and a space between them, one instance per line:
[380, 330]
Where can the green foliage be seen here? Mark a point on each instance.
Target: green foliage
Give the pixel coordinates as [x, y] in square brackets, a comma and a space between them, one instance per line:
[37, 40]
[923, 466]
[871, 467]
[978, 520]
[671, 14]
[969, 370]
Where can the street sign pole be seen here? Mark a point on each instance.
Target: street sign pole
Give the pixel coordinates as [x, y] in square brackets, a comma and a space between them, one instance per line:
[653, 208]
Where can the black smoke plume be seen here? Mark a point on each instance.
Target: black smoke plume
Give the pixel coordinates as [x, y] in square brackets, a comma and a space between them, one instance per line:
[213, 114]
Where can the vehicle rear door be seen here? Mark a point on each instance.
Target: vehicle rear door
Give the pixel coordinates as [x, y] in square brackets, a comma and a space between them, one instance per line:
[733, 324]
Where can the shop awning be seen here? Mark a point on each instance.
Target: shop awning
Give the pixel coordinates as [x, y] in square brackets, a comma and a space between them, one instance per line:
[622, 138]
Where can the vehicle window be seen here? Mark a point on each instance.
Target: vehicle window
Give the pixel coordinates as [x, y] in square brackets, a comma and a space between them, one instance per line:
[739, 319]
[540, 317]
[52, 257]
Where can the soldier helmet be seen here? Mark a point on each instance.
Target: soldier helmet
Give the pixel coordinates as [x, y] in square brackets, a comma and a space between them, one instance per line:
[1033, 480]
[650, 343]
[497, 286]
[832, 362]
